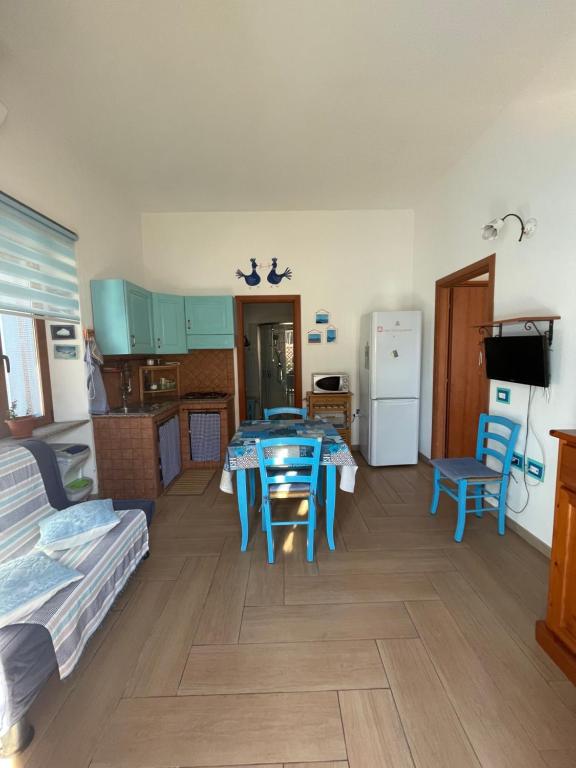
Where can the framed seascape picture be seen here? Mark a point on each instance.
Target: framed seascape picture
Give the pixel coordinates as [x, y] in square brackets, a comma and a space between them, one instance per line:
[331, 335]
[62, 331]
[66, 352]
[314, 337]
[322, 317]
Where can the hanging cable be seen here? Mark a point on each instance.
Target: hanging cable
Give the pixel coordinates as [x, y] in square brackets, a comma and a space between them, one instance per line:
[526, 436]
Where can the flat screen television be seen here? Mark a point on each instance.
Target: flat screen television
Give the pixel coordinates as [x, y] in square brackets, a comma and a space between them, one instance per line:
[521, 359]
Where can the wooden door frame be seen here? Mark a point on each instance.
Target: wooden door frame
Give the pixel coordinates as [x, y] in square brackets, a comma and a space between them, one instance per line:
[441, 343]
[277, 298]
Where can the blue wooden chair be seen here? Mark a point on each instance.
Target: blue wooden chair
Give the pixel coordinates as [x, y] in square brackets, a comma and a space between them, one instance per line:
[473, 475]
[289, 468]
[301, 412]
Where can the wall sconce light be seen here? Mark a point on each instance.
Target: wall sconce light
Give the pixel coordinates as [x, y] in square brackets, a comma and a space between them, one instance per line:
[491, 230]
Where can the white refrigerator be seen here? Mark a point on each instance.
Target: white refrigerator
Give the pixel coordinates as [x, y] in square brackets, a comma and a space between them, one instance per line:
[390, 352]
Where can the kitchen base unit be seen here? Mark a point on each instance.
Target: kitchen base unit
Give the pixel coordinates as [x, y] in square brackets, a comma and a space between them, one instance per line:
[206, 428]
[128, 452]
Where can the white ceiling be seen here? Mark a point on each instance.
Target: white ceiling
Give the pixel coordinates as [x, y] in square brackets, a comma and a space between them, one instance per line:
[276, 104]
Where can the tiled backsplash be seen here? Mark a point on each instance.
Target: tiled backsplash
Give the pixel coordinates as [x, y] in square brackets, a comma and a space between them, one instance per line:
[201, 370]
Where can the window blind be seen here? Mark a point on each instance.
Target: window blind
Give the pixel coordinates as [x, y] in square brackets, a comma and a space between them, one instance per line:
[37, 263]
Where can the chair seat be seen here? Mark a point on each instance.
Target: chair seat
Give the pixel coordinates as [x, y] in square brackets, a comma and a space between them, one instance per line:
[465, 469]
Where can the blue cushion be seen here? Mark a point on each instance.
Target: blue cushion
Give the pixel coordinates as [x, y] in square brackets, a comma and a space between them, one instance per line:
[465, 469]
[77, 525]
[28, 582]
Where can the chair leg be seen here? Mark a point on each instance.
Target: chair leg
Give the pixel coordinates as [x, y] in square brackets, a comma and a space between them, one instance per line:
[267, 517]
[462, 491]
[252, 480]
[436, 496]
[320, 490]
[311, 529]
[480, 489]
[502, 506]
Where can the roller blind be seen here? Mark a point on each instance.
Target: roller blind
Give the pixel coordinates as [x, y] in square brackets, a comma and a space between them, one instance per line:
[37, 263]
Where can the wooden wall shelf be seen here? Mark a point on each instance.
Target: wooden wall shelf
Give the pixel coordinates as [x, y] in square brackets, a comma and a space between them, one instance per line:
[529, 323]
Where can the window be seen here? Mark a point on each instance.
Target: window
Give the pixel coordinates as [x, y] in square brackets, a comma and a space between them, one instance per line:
[37, 280]
[25, 377]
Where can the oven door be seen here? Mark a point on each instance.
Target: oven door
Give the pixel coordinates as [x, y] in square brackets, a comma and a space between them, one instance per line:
[328, 384]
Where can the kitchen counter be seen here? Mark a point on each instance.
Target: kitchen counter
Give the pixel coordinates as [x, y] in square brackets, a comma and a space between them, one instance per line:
[160, 409]
[136, 411]
[126, 444]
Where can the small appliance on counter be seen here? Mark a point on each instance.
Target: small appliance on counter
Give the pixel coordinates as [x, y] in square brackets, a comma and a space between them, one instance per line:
[71, 458]
[205, 396]
[325, 383]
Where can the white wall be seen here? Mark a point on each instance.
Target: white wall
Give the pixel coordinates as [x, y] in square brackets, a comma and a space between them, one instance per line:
[347, 262]
[40, 168]
[526, 163]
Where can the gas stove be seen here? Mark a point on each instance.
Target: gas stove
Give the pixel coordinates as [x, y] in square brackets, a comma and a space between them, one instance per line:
[205, 396]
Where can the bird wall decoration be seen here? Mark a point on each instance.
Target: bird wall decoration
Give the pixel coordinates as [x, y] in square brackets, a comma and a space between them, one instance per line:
[252, 278]
[274, 277]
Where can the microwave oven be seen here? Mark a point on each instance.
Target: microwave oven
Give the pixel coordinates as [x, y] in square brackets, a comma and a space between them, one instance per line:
[327, 383]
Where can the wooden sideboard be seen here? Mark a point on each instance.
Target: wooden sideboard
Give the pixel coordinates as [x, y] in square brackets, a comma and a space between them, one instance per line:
[557, 634]
[334, 407]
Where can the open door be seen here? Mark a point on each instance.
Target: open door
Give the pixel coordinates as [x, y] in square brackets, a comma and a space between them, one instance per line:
[269, 353]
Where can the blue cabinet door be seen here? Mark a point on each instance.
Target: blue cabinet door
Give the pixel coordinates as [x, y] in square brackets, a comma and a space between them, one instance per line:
[122, 315]
[139, 313]
[210, 316]
[169, 324]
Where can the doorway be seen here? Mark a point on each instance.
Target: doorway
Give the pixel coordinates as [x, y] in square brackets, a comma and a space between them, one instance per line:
[269, 353]
[464, 300]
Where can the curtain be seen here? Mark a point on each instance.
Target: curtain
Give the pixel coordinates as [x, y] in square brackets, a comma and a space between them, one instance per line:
[37, 263]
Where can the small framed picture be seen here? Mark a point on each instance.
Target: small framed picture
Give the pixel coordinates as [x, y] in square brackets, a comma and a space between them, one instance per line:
[66, 352]
[314, 337]
[322, 317]
[331, 335]
[62, 332]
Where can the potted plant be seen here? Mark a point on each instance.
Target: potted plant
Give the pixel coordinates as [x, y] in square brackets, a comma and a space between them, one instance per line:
[19, 426]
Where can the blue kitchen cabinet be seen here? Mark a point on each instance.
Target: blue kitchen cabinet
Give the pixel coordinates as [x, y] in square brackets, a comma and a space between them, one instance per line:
[169, 324]
[209, 322]
[122, 317]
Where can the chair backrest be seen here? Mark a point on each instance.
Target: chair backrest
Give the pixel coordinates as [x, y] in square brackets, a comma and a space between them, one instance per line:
[301, 412]
[506, 442]
[298, 458]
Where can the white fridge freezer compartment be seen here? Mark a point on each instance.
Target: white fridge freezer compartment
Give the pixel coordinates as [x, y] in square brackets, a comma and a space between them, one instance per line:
[393, 436]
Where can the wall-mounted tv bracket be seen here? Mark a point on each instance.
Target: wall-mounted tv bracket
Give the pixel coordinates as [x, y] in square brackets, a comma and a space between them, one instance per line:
[529, 323]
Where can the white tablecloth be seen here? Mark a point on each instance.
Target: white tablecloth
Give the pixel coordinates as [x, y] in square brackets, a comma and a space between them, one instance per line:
[347, 479]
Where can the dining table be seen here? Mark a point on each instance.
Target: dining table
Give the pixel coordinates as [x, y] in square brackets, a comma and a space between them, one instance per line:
[242, 461]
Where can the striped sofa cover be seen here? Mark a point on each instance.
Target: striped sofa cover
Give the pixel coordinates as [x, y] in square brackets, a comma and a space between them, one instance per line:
[54, 635]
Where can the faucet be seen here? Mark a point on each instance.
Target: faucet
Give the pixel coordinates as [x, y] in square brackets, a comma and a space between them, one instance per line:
[125, 385]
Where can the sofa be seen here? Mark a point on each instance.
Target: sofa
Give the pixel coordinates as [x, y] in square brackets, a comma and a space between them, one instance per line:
[30, 489]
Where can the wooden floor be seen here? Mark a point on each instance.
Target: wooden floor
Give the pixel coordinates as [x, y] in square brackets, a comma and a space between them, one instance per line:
[400, 649]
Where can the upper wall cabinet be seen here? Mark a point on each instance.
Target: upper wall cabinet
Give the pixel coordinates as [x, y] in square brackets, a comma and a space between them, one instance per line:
[209, 322]
[169, 324]
[122, 315]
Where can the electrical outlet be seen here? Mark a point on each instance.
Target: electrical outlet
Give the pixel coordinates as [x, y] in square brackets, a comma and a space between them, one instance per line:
[503, 395]
[518, 461]
[535, 469]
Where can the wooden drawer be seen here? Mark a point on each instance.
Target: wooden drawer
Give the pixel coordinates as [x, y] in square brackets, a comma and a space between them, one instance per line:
[568, 466]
